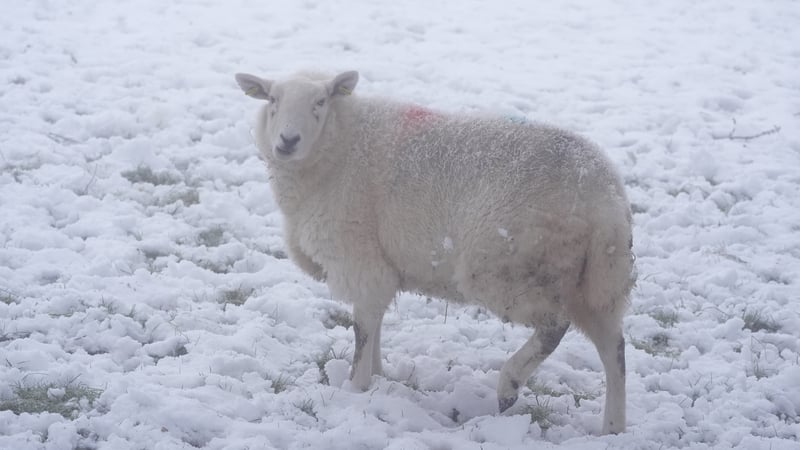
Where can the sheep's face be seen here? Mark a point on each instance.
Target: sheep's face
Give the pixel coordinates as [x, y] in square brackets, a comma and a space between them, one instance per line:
[296, 112]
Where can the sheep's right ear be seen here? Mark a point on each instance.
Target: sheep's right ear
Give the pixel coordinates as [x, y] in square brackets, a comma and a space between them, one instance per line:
[254, 86]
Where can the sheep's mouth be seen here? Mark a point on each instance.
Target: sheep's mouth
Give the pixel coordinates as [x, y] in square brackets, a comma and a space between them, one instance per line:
[283, 151]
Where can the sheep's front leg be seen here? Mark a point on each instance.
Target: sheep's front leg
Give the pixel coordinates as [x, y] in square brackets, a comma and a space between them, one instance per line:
[304, 262]
[519, 368]
[370, 286]
[377, 366]
[367, 354]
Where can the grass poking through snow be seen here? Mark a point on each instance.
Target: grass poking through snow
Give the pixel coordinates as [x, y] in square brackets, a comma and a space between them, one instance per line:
[657, 344]
[323, 359]
[144, 174]
[667, 319]
[212, 237]
[8, 297]
[756, 321]
[541, 412]
[280, 383]
[307, 406]
[58, 398]
[235, 297]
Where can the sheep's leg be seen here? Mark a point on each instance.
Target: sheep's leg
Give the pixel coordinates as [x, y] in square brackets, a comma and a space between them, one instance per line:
[370, 285]
[366, 357]
[611, 346]
[305, 263]
[377, 366]
[519, 368]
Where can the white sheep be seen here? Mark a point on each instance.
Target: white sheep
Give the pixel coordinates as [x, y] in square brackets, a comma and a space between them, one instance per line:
[528, 220]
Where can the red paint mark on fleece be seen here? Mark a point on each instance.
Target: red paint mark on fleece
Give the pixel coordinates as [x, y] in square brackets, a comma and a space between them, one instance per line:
[415, 115]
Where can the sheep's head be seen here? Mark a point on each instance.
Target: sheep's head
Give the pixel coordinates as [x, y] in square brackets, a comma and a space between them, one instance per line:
[297, 110]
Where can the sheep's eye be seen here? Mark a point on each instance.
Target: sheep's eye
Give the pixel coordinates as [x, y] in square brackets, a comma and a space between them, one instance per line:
[321, 102]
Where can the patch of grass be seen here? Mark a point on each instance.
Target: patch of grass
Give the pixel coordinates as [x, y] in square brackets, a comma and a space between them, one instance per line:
[756, 321]
[235, 297]
[88, 439]
[411, 381]
[180, 350]
[758, 353]
[277, 254]
[675, 192]
[189, 196]
[758, 371]
[722, 251]
[280, 383]
[323, 359]
[151, 254]
[108, 305]
[13, 335]
[542, 389]
[8, 297]
[454, 413]
[541, 413]
[212, 237]
[638, 208]
[658, 344]
[212, 266]
[700, 387]
[144, 174]
[577, 397]
[58, 398]
[337, 317]
[667, 319]
[307, 406]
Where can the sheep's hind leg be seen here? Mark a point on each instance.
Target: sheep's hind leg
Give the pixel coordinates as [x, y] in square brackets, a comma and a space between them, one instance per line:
[519, 368]
[606, 334]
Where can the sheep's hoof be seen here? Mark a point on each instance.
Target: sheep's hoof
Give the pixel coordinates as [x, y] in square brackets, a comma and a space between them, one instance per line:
[610, 428]
[505, 403]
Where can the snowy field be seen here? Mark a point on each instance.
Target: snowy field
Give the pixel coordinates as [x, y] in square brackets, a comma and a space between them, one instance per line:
[146, 301]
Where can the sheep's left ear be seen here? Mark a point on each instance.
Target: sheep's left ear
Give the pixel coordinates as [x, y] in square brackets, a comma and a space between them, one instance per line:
[343, 84]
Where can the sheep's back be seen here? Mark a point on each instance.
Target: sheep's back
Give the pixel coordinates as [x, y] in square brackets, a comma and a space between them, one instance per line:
[463, 185]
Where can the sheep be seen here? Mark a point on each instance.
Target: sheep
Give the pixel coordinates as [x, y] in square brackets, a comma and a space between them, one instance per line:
[378, 196]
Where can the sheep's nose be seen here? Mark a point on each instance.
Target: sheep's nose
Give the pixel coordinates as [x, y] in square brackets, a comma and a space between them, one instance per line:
[289, 142]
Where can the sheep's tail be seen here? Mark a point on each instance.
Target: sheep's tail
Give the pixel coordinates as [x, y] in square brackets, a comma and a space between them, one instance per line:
[608, 273]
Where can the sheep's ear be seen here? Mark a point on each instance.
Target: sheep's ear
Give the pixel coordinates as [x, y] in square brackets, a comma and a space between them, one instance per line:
[344, 83]
[254, 86]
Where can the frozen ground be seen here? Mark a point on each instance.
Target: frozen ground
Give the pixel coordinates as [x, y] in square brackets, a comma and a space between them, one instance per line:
[144, 288]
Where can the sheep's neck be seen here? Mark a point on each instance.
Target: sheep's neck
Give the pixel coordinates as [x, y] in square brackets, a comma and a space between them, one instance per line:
[295, 186]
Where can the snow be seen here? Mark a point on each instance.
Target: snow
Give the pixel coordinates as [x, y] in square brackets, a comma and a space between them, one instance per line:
[141, 252]
[447, 243]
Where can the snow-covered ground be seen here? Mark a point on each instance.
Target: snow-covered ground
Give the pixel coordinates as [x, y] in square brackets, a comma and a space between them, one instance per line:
[144, 288]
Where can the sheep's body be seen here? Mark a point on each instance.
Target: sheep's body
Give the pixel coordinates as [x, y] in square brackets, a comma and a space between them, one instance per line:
[528, 220]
